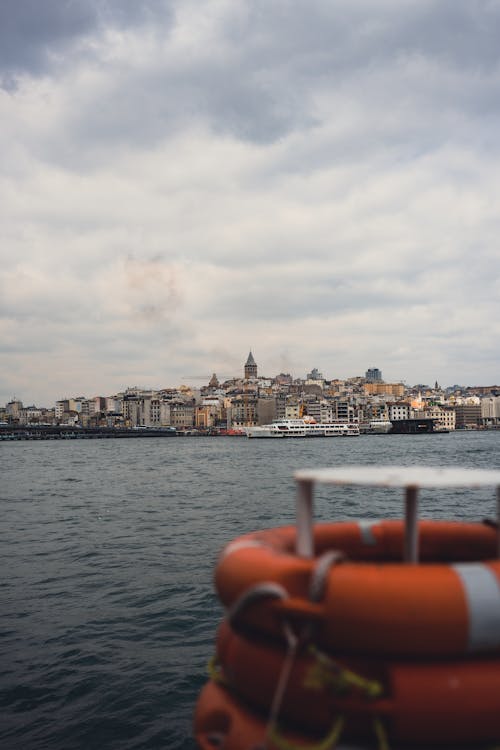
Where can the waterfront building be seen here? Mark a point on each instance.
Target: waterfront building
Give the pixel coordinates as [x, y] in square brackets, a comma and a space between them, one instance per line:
[67, 411]
[281, 399]
[61, 407]
[244, 411]
[399, 410]
[69, 417]
[165, 418]
[181, 414]
[444, 416]
[266, 410]
[13, 409]
[327, 413]
[292, 410]
[321, 410]
[468, 415]
[490, 410]
[113, 404]
[376, 410]
[345, 411]
[75, 404]
[147, 408]
[30, 415]
[154, 411]
[447, 419]
[208, 413]
[135, 405]
[100, 404]
[312, 408]
[87, 407]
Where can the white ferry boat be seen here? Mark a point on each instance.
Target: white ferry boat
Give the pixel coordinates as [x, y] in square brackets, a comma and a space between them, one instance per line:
[376, 427]
[306, 427]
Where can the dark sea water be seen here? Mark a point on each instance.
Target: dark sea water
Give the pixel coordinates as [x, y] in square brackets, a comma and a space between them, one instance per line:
[107, 551]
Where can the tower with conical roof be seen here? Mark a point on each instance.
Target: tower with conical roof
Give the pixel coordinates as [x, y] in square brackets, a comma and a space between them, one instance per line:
[250, 367]
[214, 383]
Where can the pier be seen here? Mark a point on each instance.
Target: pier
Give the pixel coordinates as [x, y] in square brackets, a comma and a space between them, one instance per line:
[64, 432]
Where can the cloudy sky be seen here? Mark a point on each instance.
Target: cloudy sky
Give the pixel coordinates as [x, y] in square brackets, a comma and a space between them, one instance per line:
[182, 181]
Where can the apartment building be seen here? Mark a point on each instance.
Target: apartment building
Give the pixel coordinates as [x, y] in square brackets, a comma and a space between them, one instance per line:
[266, 410]
[243, 411]
[467, 415]
[399, 410]
[444, 417]
[490, 410]
[386, 389]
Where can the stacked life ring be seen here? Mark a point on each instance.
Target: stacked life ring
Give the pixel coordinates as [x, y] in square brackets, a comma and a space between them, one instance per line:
[354, 643]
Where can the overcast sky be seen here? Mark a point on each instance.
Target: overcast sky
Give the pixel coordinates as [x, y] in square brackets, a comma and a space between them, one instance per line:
[181, 181]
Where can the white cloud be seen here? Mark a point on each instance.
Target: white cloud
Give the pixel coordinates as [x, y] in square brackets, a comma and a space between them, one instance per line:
[320, 184]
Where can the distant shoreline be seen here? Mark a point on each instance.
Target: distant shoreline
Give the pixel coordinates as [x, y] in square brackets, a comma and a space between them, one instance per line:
[31, 432]
[64, 432]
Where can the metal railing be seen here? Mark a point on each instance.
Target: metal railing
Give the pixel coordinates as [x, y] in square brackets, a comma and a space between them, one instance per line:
[410, 478]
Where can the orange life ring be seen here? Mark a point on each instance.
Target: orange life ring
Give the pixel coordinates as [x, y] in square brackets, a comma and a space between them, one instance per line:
[434, 702]
[371, 604]
[220, 721]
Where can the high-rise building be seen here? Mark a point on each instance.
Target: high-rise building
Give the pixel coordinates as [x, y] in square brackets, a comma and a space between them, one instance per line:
[250, 367]
[373, 375]
[315, 374]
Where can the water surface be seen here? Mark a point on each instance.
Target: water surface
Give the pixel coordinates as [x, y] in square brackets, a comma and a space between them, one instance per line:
[107, 551]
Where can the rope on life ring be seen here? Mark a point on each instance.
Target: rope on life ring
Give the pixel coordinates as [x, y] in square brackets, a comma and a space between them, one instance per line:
[440, 701]
[325, 672]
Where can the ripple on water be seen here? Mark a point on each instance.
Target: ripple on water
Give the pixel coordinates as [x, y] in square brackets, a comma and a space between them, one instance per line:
[108, 607]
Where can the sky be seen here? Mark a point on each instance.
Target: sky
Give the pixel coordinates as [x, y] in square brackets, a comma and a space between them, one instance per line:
[182, 181]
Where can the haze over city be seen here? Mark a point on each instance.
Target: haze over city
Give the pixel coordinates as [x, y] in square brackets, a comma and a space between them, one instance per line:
[184, 181]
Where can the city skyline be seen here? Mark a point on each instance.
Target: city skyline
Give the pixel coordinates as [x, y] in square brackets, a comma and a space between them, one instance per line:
[197, 382]
[319, 180]
[253, 400]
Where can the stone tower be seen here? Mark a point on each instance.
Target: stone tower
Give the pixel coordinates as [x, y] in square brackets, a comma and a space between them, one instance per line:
[250, 367]
[214, 383]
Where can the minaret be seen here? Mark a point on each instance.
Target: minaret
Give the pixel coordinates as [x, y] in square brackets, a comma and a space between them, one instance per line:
[250, 367]
[214, 383]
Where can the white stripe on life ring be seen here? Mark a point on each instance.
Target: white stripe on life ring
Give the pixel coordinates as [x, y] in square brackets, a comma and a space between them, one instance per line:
[482, 593]
[241, 544]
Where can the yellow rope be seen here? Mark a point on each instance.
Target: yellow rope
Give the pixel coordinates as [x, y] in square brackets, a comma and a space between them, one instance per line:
[324, 673]
[381, 734]
[215, 671]
[327, 743]
[327, 673]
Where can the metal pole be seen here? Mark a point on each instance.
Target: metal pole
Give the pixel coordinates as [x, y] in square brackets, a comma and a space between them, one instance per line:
[411, 525]
[305, 541]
